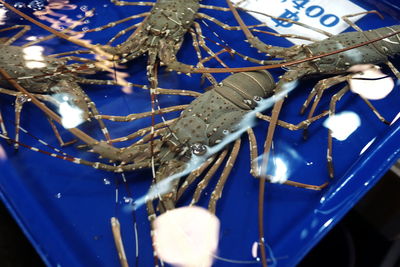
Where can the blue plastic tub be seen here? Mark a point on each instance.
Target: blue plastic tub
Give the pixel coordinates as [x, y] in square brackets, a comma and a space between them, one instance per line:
[65, 209]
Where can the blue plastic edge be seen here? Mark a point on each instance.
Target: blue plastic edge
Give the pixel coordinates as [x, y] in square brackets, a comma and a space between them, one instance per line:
[381, 156]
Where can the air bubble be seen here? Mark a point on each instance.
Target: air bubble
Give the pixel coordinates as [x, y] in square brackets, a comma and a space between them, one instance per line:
[106, 181]
[84, 8]
[36, 5]
[128, 200]
[85, 29]
[19, 5]
[58, 195]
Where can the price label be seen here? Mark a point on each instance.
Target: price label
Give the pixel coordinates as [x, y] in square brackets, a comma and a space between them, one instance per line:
[323, 14]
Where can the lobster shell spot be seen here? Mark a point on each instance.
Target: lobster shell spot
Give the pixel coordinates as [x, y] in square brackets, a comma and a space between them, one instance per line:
[227, 121]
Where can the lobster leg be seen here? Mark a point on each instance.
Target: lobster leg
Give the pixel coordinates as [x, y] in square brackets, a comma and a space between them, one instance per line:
[136, 116]
[215, 7]
[143, 131]
[19, 101]
[332, 108]
[124, 3]
[294, 127]
[160, 91]
[253, 153]
[255, 170]
[57, 134]
[352, 24]
[212, 80]
[202, 43]
[327, 83]
[193, 176]
[130, 28]
[113, 24]
[217, 193]
[328, 34]
[2, 125]
[95, 113]
[254, 41]
[204, 46]
[204, 182]
[318, 90]
[293, 36]
[393, 69]
[116, 231]
[376, 112]
[75, 52]
[151, 217]
[21, 32]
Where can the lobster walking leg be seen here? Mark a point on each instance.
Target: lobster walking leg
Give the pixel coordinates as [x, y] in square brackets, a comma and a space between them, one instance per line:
[125, 3]
[193, 176]
[325, 84]
[20, 100]
[293, 127]
[376, 112]
[204, 182]
[58, 135]
[217, 193]
[332, 107]
[255, 168]
[20, 33]
[2, 125]
[319, 89]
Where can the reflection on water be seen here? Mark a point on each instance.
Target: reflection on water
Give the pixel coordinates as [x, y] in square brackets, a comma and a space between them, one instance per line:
[281, 171]
[371, 83]
[71, 115]
[33, 56]
[2, 16]
[367, 146]
[3, 154]
[343, 124]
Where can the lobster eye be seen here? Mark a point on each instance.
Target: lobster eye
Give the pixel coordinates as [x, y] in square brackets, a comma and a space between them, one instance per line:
[198, 149]
[257, 98]
[23, 98]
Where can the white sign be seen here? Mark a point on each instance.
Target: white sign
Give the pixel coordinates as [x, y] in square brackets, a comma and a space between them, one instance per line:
[322, 14]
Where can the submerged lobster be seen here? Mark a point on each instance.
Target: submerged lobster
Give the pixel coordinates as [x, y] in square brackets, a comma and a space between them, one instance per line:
[160, 35]
[47, 78]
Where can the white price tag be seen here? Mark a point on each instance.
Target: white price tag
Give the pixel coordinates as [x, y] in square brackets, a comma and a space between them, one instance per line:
[322, 14]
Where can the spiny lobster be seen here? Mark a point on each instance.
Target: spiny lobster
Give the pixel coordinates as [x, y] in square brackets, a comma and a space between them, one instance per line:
[48, 78]
[378, 52]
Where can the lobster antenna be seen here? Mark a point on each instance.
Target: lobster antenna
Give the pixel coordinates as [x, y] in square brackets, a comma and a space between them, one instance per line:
[274, 66]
